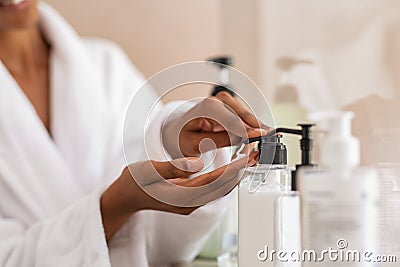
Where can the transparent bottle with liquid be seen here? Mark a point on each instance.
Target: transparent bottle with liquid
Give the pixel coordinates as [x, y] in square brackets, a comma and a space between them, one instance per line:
[287, 205]
[339, 201]
[389, 174]
[288, 230]
[258, 190]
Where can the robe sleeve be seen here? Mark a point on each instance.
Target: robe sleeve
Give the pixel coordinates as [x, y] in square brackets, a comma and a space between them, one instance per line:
[73, 238]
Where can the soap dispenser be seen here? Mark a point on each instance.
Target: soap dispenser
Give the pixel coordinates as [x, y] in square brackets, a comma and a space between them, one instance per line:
[287, 206]
[339, 200]
[258, 191]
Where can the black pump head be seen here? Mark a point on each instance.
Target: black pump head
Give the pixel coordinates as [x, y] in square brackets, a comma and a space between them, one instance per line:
[222, 60]
[271, 150]
[305, 146]
[306, 142]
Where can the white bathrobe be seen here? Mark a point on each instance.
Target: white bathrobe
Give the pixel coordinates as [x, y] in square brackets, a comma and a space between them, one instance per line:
[50, 186]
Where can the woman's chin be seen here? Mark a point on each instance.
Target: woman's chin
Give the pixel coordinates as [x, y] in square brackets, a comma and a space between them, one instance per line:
[17, 16]
[14, 5]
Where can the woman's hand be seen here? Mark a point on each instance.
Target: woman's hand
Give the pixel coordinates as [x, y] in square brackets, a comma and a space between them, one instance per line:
[150, 185]
[221, 119]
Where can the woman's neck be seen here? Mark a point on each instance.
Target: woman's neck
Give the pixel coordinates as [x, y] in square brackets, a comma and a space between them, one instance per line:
[25, 54]
[23, 50]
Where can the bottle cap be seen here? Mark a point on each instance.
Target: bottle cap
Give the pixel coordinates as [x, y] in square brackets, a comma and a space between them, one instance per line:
[272, 151]
[339, 149]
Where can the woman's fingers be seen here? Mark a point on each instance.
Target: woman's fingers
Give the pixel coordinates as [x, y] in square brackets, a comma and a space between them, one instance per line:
[226, 172]
[181, 191]
[222, 116]
[182, 167]
[209, 129]
[238, 108]
[146, 173]
[222, 119]
[202, 142]
[216, 184]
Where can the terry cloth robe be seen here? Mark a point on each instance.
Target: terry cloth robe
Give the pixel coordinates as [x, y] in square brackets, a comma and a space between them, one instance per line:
[50, 186]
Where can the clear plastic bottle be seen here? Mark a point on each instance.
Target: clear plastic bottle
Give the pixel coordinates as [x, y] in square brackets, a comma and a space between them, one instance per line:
[339, 201]
[389, 174]
[258, 190]
[288, 229]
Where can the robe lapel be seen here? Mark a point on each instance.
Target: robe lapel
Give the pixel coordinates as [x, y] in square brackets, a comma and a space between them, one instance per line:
[41, 176]
[33, 173]
[79, 121]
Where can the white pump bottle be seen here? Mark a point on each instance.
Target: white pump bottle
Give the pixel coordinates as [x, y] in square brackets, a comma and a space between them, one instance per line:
[339, 201]
[258, 191]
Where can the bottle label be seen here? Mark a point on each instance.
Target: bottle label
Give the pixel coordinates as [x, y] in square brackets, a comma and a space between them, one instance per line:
[328, 217]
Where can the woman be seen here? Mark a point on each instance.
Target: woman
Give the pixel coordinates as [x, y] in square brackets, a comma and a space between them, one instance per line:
[62, 105]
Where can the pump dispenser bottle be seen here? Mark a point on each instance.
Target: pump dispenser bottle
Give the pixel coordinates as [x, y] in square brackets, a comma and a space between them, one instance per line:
[339, 200]
[287, 205]
[269, 213]
[257, 194]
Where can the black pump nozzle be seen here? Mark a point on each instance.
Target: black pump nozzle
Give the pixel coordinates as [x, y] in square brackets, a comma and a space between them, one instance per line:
[272, 151]
[223, 62]
[305, 141]
[305, 145]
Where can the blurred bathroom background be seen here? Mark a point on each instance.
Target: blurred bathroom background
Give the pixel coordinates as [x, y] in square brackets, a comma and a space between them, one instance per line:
[334, 54]
[354, 47]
